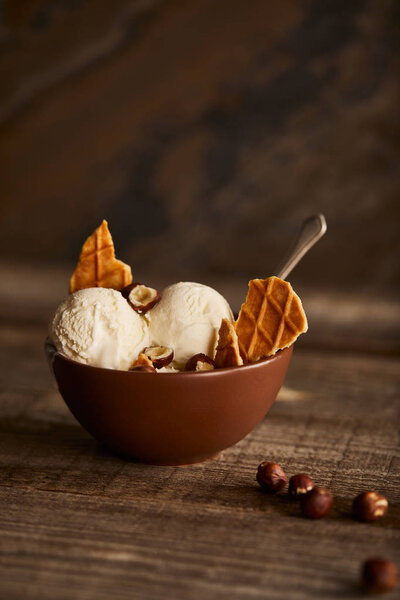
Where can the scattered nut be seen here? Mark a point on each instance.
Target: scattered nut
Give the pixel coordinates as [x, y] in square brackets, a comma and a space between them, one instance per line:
[369, 506]
[127, 290]
[144, 368]
[200, 362]
[379, 575]
[142, 360]
[141, 297]
[316, 503]
[142, 363]
[271, 477]
[300, 484]
[160, 356]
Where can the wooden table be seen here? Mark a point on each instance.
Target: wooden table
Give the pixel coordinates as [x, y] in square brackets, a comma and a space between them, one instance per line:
[78, 522]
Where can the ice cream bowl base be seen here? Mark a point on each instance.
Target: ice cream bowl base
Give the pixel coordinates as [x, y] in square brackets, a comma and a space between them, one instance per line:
[169, 418]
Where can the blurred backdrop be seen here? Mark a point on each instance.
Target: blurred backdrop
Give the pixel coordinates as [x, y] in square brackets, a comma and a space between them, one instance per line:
[204, 132]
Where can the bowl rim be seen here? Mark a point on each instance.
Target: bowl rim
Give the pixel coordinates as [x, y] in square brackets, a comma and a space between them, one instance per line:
[52, 351]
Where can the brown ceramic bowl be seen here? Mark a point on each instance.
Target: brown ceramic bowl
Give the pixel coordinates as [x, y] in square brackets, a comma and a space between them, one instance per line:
[169, 418]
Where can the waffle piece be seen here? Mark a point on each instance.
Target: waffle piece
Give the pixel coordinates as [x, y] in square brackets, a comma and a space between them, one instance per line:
[142, 361]
[97, 265]
[271, 319]
[227, 354]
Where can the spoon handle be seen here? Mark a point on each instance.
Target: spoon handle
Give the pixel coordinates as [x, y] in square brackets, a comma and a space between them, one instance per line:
[311, 231]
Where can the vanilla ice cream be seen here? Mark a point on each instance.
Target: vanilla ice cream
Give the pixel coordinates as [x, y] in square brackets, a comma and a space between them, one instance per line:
[187, 319]
[97, 326]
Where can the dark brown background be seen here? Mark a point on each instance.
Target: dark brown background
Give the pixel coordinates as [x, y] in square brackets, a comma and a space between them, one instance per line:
[204, 132]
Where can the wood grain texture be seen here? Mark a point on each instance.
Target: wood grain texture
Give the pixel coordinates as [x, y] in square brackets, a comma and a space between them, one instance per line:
[209, 129]
[79, 522]
[204, 132]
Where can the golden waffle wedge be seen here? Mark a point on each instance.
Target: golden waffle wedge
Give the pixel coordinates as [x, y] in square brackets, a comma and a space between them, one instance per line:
[142, 361]
[271, 319]
[97, 265]
[227, 354]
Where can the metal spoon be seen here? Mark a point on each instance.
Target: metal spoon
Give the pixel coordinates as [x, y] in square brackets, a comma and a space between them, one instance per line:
[311, 231]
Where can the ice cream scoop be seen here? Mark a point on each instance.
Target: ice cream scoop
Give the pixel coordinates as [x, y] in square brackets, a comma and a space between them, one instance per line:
[187, 319]
[96, 326]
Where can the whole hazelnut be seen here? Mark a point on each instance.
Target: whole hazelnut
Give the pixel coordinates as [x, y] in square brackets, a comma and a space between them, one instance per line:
[369, 506]
[271, 477]
[379, 575]
[300, 484]
[316, 503]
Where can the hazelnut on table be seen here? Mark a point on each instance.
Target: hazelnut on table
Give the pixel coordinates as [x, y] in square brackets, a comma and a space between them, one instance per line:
[300, 484]
[379, 575]
[317, 503]
[370, 506]
[271, 477]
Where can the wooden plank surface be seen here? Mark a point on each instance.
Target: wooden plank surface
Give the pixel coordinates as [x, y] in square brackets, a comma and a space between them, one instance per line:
[79, 522]
[205, 132]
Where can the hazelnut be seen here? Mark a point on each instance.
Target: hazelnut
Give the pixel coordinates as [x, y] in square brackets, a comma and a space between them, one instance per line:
[379, 575]
[200, 362]
[271, 477]
[316, 503]
[160, 356]
[369, 506]
[143, 368]
[300, 484]
[141, 297]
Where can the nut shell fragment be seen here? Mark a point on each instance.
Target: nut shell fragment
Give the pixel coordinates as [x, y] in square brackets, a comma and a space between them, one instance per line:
[142, 361]
[141, 297]
[160, 356]
[143, 368]
[200, 362]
